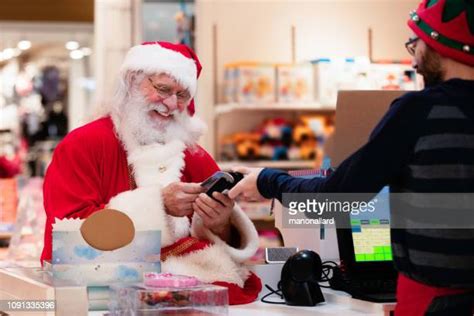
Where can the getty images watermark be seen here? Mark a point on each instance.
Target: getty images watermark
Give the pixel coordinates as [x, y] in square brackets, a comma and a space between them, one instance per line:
[399, 210]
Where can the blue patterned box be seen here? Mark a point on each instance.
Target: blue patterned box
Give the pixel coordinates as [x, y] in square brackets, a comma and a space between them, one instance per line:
[75, 262]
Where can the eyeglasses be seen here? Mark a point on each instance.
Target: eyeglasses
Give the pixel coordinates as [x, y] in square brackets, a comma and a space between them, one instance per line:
[165, 91]
[411, 45]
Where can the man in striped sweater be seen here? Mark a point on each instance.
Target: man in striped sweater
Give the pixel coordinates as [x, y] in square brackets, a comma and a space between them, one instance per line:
[423, 144]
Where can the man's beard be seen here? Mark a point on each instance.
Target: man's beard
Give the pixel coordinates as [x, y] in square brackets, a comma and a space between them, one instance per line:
[136, 128]
[138, 122]
[430, 68]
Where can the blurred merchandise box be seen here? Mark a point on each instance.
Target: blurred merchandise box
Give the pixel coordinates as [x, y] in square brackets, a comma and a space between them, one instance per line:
[249, 83]
[229, 83]
[295, 83]
[27, 238]
[77, 263]
[391, 75]
[8, 204]
[334, 74]
[318, 80]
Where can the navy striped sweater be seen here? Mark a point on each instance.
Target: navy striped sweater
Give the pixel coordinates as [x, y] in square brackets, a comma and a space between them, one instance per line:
[423, 144]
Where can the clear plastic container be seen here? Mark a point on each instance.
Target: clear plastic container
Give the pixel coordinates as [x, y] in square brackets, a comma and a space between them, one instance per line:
[141, 300]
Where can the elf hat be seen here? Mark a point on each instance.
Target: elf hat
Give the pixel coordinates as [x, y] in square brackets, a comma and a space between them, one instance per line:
[176, 60]
[447, 26]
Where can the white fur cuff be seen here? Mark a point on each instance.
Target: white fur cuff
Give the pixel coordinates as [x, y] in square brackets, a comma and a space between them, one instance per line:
[248, 235]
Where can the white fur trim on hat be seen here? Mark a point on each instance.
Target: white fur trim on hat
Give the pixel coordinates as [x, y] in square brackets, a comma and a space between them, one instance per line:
[248, 235]
[155, 59]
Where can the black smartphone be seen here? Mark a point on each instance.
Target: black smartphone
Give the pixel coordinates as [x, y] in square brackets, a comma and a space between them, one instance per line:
[221, 181]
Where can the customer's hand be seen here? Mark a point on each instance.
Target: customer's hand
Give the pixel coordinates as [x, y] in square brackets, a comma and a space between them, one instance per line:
[215, 213]
[247, 189]
[178, 198]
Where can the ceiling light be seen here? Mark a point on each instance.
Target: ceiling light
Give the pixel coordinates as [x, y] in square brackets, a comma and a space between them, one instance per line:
[72, 45]
[76, 54]
[24, 45]
[8, 53]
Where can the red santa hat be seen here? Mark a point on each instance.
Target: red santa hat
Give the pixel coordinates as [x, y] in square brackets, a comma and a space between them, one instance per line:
[447, 26]
[176, 60]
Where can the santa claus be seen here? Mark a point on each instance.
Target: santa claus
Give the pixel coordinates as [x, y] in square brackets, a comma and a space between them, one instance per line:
[142, 158]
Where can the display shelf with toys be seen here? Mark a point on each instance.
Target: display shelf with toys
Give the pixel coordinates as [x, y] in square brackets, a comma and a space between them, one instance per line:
[287, 141]
[279, 115]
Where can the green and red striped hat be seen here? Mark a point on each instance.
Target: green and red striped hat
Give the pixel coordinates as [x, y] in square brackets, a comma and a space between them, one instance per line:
[447, 26]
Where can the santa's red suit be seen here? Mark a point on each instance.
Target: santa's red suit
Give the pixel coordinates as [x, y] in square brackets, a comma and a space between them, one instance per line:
[91, 170]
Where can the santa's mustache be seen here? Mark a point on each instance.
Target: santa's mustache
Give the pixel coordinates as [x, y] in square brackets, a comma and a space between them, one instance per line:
[162, 109]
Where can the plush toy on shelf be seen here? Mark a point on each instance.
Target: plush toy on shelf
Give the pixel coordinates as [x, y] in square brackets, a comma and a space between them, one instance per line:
[227, 148]
[247, 146]
[276, 138]
[305, 139]
[280, 139]
[276, 131]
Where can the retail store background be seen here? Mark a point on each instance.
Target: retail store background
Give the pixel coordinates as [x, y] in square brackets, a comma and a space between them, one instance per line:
[224, 31]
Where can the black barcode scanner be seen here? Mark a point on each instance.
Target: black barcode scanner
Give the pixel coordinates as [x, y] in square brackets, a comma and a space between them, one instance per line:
[299, 279]
[221, 182]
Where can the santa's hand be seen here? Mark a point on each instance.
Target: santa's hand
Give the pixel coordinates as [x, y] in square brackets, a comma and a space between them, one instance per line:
[178, 198]
[215, 213]
[247, 189]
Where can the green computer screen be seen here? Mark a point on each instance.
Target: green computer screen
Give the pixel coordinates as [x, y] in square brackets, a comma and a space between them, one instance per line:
[371, 232]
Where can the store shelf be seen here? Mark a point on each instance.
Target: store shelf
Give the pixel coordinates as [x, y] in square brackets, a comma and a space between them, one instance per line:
[264, 224]
[266, 218]
[231, 107]
[5, 235]
[277, 164]
[4, 239]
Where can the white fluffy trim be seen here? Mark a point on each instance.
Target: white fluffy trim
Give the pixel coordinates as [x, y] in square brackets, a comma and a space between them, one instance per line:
[157, 59]
[145, 207]
[248, 235]
[208, 265]
[188, 129]
[157, 164]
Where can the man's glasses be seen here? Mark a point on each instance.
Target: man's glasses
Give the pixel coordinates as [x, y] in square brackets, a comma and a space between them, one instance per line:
[411, 45]
[165, 92]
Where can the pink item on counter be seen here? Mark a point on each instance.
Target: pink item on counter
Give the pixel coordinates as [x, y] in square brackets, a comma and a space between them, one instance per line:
[169, 280]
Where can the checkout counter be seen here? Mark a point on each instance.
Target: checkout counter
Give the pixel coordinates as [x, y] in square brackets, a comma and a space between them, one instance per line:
[32, 284]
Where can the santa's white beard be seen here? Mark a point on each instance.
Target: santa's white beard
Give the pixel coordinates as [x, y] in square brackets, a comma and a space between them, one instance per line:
[136, 128]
